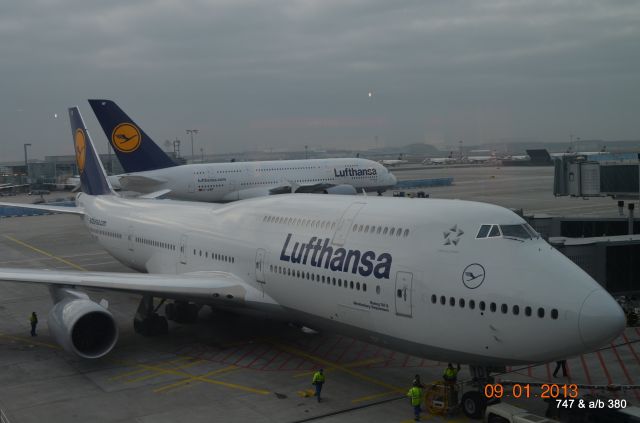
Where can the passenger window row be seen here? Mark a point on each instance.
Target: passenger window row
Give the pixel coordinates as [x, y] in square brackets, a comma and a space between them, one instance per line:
[106, 233]
[328, 280]
[379, 230]
[155, 243]
[230, 171]
[287, 168]
[493, 307]
[214, 256]
[317, 224]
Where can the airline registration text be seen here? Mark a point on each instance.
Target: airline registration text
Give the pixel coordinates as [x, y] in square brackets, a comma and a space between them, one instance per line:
[318, 253]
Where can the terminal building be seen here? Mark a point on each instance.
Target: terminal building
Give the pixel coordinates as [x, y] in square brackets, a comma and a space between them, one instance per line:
[606, 248]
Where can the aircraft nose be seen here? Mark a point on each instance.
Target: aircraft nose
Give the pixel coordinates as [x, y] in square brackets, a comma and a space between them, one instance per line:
[601, 319]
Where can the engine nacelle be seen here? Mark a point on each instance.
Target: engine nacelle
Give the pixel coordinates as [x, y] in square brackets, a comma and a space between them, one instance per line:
[83, 327]
[343, 189]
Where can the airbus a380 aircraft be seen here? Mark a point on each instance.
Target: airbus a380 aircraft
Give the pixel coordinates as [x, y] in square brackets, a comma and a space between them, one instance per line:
[149, 169]
[448, 280]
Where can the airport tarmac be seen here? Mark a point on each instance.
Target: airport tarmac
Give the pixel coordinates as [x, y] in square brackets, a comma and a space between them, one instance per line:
[230, 368]
[517, 187]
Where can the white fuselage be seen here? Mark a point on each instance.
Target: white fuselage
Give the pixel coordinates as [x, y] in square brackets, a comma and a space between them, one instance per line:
[402, 273]
[222, 182]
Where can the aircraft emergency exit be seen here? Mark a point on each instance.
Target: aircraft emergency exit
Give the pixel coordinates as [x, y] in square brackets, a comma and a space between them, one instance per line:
[149, 169]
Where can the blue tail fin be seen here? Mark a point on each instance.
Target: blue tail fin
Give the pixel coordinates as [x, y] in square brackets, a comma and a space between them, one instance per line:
[135, 150]
[93, 179]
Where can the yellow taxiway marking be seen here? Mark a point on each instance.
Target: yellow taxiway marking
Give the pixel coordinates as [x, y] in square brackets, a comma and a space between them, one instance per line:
[374, 396]
[195, 379]
[307, 393]
[30, 341]
[350, 365]
[158, 374]
[138, 371]
[38, 250]
[345, 369]
[378, 395]
[202, 378]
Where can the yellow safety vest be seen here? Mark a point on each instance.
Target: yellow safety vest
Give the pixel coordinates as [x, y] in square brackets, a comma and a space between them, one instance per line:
[33, 319]
[450, 374]
[416, 395]
[318, 377]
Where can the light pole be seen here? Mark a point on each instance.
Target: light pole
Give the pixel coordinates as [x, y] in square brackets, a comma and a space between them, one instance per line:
[26, 161]
[306, 152]
[192, 132]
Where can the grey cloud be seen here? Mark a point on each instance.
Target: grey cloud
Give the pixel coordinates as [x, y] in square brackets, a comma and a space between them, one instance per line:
[254, 74]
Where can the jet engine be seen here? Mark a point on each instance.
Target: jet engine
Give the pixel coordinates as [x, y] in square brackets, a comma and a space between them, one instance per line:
[83, 327]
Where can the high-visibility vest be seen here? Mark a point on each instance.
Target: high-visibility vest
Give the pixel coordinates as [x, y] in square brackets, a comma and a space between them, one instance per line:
[33, 319]
[416, 395]
[318, 377]
[450, 374]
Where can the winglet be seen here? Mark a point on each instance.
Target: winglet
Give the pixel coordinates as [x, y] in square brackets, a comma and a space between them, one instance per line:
[93, 179]
[135, 149]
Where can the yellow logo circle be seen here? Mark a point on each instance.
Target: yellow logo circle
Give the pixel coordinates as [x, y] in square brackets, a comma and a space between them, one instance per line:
[81, 149]
[126, 138]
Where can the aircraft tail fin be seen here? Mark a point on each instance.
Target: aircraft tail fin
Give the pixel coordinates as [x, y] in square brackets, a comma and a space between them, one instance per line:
[93, 178]
[135, 149]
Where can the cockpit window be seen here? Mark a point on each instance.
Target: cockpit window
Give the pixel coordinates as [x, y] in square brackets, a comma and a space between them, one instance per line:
[532, 231]
[495, 231]
[484, 230]
[515, 231]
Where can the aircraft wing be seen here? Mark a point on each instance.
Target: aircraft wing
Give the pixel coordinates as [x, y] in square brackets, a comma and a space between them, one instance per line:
[194, 286]
[137, 182]
[56, 209]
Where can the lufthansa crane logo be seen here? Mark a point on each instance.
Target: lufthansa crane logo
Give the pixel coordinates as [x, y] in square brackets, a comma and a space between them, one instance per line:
[126, 138]
[81, 149]
[473, 275]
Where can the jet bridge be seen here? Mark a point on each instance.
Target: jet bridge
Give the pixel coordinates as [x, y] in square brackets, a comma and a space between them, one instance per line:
[616, 176]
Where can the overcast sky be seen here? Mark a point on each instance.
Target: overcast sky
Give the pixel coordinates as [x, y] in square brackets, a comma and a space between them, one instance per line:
[255, 74]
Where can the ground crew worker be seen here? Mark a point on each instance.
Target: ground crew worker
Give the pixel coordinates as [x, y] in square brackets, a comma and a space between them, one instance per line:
[34, 322]
[415, 393]
[563, 364]
[450, 374]
[450, 377]
[417, 382]
[318, 381]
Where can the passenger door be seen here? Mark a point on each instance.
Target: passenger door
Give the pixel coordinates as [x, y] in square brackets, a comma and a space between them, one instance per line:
[183, 248]
[403, 293]
[260, 265]
[344, 225]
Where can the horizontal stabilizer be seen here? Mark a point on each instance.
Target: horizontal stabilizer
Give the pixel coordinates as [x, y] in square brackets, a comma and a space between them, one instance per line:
[156, 194]
[131, 182]
[45, 207]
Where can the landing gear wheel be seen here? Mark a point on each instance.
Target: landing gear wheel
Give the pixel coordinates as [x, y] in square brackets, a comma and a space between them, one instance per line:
[151, 326]
[473, 404]
[182, 312]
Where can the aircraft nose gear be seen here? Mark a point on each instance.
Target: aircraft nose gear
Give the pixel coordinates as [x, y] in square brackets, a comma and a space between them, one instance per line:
[147, 322]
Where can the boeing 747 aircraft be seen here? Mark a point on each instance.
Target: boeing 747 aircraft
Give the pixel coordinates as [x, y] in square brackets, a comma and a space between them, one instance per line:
[448, 280]
[149, 169]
